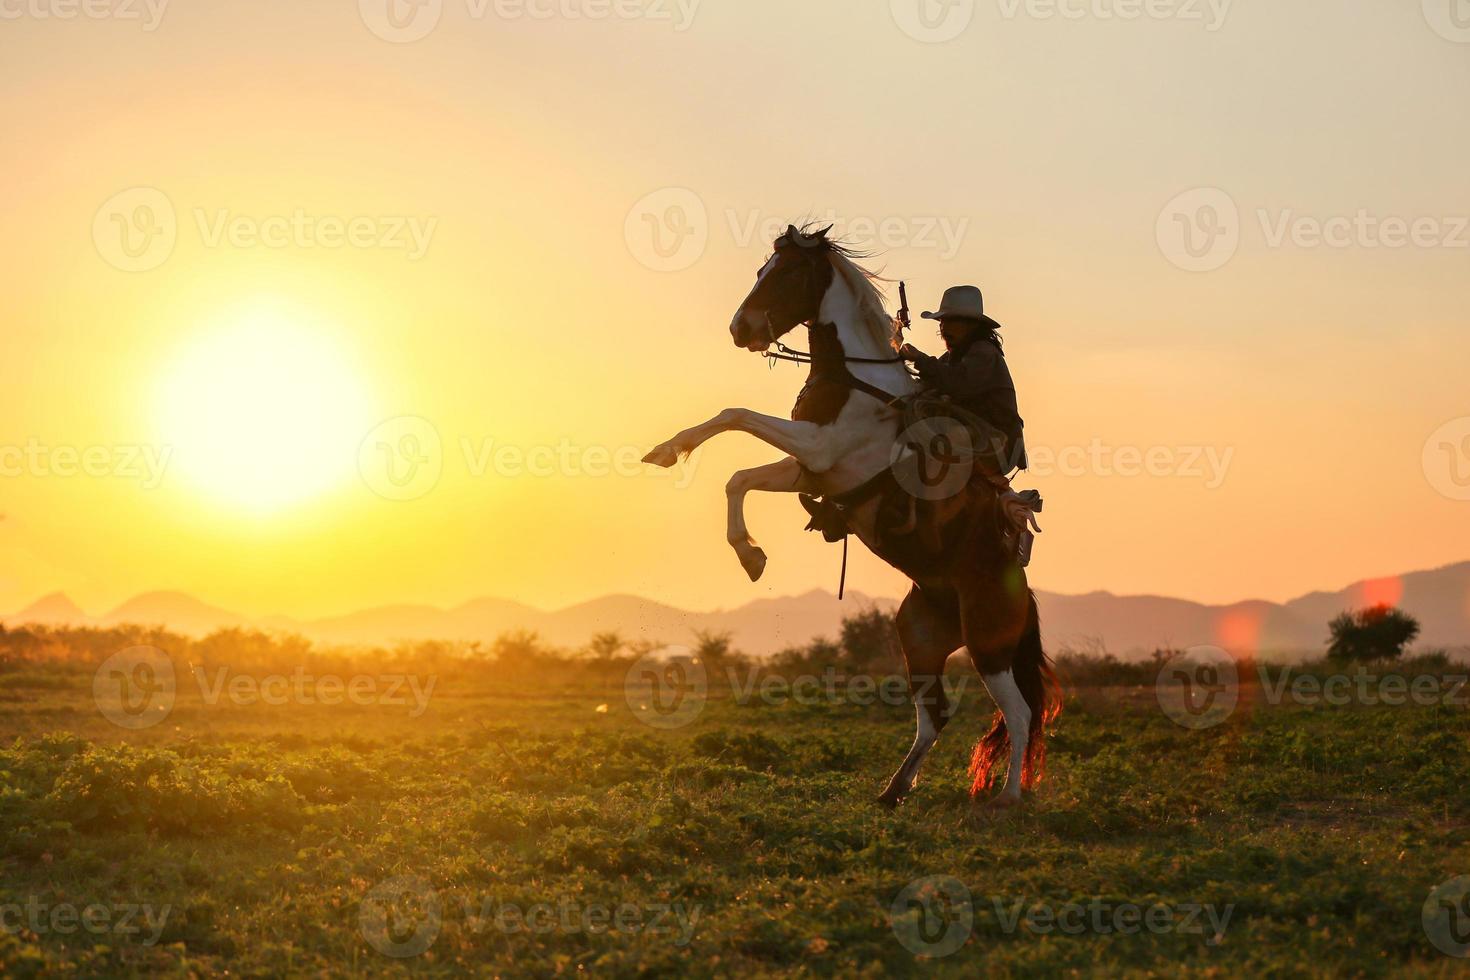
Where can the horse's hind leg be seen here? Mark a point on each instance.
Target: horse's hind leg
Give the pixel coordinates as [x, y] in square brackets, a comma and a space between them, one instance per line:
[993, 628]
[928, 631]
[1016, 715]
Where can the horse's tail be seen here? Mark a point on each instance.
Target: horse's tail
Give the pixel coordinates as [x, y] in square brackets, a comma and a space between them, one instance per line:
[1038, 683]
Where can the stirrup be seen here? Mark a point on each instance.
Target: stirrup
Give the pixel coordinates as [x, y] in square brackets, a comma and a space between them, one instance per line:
[1023, 546]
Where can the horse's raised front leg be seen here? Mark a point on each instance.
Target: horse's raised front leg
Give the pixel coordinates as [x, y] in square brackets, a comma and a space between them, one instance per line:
[785, 476]
[806, 441]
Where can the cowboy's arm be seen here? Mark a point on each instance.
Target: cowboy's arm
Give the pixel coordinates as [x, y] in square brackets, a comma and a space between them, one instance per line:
[959, 380]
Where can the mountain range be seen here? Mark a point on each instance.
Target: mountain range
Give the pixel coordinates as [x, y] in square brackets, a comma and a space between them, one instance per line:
[1439, 598]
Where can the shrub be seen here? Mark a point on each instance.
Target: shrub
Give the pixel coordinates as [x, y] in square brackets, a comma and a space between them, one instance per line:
[1376, 633]
[870, 640]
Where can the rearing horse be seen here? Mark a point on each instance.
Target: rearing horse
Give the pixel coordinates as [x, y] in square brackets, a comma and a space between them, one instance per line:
[842, 443]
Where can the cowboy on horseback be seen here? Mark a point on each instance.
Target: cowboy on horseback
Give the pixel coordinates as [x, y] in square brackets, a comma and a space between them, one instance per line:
[857, 439]
[973, 382]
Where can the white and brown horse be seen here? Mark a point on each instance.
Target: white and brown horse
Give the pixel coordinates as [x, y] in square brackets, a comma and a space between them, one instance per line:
[842, 439]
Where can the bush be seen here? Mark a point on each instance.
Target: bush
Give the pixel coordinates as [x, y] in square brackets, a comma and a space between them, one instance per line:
[126, 788]
[870, 640]
[1377, 633]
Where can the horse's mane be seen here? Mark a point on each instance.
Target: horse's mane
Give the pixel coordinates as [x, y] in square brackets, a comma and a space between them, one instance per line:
[864, 285]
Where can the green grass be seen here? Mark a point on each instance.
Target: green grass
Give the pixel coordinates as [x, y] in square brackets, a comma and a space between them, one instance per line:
[263, 830]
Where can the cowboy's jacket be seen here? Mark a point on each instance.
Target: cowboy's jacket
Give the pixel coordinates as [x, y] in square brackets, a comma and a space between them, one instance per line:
[975, 377]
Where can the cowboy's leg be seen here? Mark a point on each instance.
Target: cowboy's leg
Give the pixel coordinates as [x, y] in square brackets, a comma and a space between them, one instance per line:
[785, 476]
[807, 441]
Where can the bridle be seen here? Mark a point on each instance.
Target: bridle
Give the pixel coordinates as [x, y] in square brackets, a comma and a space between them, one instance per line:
[784, 353]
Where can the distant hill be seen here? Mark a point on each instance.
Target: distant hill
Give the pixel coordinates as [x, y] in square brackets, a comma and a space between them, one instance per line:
[1440, 599]
[52, 610]
[175, 610]
[1124, 624]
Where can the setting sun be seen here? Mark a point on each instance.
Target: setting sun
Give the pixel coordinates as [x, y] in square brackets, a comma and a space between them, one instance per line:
[262, 410]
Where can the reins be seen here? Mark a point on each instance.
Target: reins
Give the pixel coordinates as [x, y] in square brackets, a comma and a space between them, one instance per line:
[784, 353]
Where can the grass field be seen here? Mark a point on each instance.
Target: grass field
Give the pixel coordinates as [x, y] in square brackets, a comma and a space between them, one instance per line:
[514, 827]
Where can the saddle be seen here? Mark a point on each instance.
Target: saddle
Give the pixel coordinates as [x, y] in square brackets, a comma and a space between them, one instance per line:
[934, 429]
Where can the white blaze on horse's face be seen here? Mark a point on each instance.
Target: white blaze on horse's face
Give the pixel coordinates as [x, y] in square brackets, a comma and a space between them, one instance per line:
[788, 290]
[748, 328]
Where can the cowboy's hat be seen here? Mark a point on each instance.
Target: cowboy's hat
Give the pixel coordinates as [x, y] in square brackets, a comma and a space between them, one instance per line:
[962, 301]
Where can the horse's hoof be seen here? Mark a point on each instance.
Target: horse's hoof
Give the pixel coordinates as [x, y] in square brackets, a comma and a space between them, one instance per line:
[664, 455]
[1002, 803]
[889, 801]
[754, 562]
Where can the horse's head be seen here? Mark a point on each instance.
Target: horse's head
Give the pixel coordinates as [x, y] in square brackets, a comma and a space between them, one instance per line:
[788, 289]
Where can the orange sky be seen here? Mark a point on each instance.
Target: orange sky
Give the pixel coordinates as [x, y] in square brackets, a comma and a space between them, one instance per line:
[348, 229]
